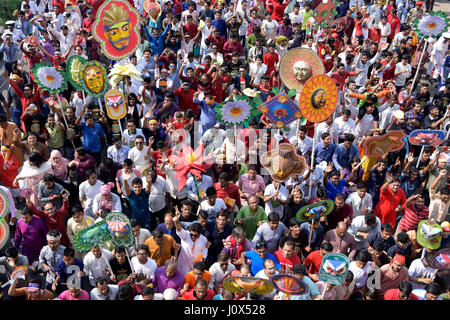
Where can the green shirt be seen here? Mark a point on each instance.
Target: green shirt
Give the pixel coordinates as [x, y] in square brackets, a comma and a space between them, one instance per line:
[56, 136]
[250, 225]
[306, 16]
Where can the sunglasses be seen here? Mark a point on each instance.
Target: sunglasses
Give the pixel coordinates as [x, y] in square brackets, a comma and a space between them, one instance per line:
[138, 143]
[194, 235]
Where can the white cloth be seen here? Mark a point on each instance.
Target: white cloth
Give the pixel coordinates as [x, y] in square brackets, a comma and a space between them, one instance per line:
[400, 79]
[95, 268]
[157, 197]
[386, 114]
[304, 146]
[418, 270]
[147, 269]
[144, 234]
[345, 126]
[359, 225]
[88, 192]
[140, 158]
[117, 206]
[217, 274]
[360, 275]
[283, 194]
[129, 138]
[173, 184]
[358, 204]
[190, 250]
[218, 206]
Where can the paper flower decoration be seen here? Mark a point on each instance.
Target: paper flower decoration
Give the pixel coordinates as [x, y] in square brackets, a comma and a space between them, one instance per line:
[49, 78]
[235, 112]
[432, 25]
[318, 98]
[74, 65]
[190, 161]
[120, 71]
[427, 137]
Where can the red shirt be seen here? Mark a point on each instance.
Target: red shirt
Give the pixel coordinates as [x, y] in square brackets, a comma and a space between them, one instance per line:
[340, 77]
[185, 99]
[287, 263]
[189, 295]
[191, 30]
[389, 201]
[270, 60]
[314, 260]
[230, 47]
[392, 294]
[35, 98]
[231, 191]
[395, 26]
[277, 9]
[220, 41]
[87, 24]
[412, 217]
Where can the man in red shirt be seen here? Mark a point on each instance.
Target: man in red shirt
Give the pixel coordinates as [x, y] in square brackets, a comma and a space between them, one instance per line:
[89, 21]
[340, 75]
[404, 292]
[314, 260]
[190, 27]
[217, 39]
[392, 199]
[415, 211]
[227, 189]
[200, 292]
[232, 46]
[270, 59]
[394, 21]
[286, 256]
[185, 96]
[26, 96]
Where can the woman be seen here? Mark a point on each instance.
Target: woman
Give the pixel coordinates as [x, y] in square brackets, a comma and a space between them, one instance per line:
[134, 110]
[59, 165]
[33, 170]
[358, 177]
[31, 144]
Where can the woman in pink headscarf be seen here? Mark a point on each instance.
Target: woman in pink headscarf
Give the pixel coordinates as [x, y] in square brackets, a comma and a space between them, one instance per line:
[106, 200]
[59, 165]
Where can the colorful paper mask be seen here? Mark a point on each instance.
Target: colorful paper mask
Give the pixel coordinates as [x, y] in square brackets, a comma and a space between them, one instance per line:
[377, 146]
[116, 227]
[248, 284]
[281, 110]
[289, 284]
[283, 162]
[93, 78]
[117, 28]
[315, 211]
[4, 232]
[153, 8]
[427, 137]
[5, 203]
[115, 104]
[441, 260]
[318, 98]
[334, 268]
[74, 65]
[297, 66]
[429, 234]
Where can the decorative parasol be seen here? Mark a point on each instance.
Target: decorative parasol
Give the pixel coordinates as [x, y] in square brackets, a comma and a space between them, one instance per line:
[283, 162]
[315, 211]
[281, 110]
[5, 203]
[432, 25]
[190, 161]
[334, 268]
[49, 78]
[318, 98]
[248, 285]
[379, 145]
[441, 260]
[299, 55]
[289, 284]
[4, 232]
[74, 65]
[429, 234]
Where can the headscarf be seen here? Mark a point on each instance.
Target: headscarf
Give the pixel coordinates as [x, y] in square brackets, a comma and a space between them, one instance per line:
[59, 165]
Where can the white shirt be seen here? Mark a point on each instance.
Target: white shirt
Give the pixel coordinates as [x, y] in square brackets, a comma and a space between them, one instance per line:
[201, 185]
[400, 79]
[144, 234]
[147, 269]
[233, 151]
[112, 293]
[359, 274]
[190, 250]
[212, 210]
[332, 130]
[283, 194]
[217, 274]
[385, 30]
[173, 184]
[359, 225]
[94, 267]
[257, 72]
[129, 138]
[269, 28]
[65, 41]
[157, 197]
[386, 114]
[420, 293]
[139, 158]
[117, 206]
[88, 192]
[363, 126]
[358, 204]
[296, 18]
[345, 126]
[418, 270]
[362, 77]
[304, 146]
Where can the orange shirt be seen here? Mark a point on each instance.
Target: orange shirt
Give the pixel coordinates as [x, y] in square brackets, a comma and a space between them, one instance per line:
[161, 253]
[189, 278]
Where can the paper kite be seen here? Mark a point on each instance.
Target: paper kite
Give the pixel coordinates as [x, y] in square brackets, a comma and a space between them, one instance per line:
[281, 110]
[377, 146]
[315, 211]
[334, 268]
[117, 29]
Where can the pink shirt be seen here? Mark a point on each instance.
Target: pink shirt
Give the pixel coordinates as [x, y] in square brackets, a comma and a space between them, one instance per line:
[250, 188]
[66, 296]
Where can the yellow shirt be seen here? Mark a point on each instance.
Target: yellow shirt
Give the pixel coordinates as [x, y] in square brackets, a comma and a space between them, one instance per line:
[161, 253]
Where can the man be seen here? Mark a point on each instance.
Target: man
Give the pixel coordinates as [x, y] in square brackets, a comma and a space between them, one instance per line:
[53, 218]
[360, 269]
[69, 272]
[118, 152]
[103, 290]
[362, 227]
[431, 292]
[250, 184]
[144, 267]
[324, 149]
[257, 257]
[162, 247]
[342, 212]
[266, 273]
[50, 255]
[88, 189]
[415, 212]
[286, 257]
[216, 232]
[393, 274]
[345, 289]
[198, 272]
[301, 273]
[93, 135]
[34, 290]
[402, 72]
[345, 152]
[341, 240]
[420, 271]
[404, 292]
[96, 264]
[212, 205]
[31, 234]
[385, 237]
[275, 197]
[219, 270]
[74, 293]
[336, 185]
[139, 153]
[302, 142]
[168, 277]
[82, 162]
[228, 190]
[270, 232]
[200, 292]
[391, 198]
[314, 260]
[361, 201]
[140, 235]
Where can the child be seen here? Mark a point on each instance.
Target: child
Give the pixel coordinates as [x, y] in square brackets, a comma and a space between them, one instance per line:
[369, 98]
[67, 267]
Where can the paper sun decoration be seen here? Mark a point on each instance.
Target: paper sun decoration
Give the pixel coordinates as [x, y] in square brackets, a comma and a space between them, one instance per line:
[432, 25]
[49, 78]
[190, 161]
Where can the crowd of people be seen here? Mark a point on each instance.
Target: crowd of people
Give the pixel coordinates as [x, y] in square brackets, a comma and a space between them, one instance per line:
[64, 176]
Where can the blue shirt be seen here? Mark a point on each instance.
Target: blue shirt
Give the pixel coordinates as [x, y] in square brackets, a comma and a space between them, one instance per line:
[221, 26]
[258, 262]
[172, 232]
[91, 137]
[9, 52]
[324, 154]
[343, 156]
[208, 117]
[313, 291]
[156, 44]
[62, 270]
[316, 237]
[333, 190]
[139, 208]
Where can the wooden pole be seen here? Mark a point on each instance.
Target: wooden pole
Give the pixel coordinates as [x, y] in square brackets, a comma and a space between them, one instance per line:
[420, 156]
[418, 66]
[312, 163]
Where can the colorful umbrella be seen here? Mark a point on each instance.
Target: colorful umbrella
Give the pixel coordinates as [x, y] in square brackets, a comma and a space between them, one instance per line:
[281, 110]
[248, 284]
[289, 284]
[315, 211]
[5, 203]
[4, 232]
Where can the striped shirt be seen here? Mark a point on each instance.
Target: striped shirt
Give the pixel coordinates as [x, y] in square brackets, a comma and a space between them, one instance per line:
[412, 217]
